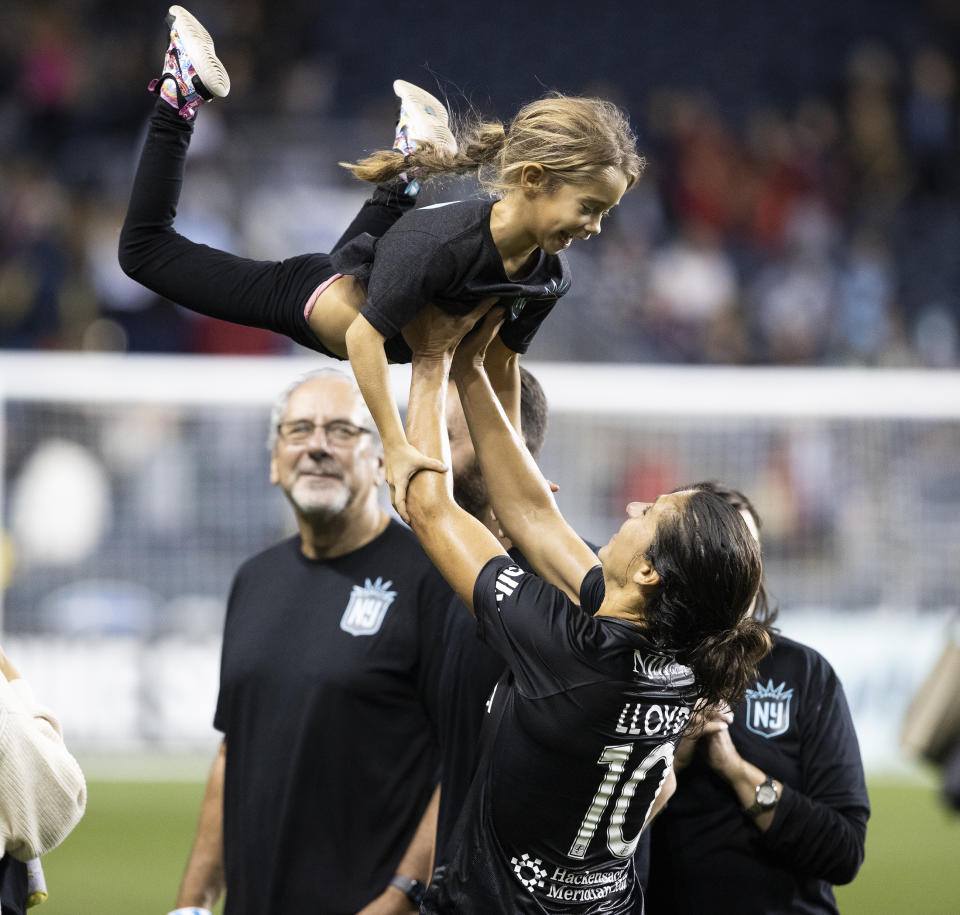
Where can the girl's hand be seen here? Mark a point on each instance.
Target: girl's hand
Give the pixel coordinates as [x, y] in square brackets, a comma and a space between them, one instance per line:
[473, 347]
[399, 467]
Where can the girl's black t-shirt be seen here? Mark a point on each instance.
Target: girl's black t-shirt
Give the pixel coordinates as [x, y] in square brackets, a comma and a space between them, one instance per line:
[445, 255]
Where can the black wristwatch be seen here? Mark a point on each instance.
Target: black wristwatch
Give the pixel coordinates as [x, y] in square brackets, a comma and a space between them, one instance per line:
[412, 888]
[767, 795]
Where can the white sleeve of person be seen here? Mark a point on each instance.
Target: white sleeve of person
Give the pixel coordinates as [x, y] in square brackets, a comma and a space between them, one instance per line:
[42, 790]
[190, 910]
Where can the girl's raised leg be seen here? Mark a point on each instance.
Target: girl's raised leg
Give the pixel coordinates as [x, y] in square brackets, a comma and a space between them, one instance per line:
[267, 294]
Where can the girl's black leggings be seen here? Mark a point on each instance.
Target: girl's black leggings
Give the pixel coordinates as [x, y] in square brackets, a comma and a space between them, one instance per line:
[267, 294]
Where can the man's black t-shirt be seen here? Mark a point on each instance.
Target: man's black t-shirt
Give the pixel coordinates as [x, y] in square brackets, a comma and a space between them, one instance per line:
[582, 745]
[794, 725]
[445, 255]
[460, 702]
[330, 756]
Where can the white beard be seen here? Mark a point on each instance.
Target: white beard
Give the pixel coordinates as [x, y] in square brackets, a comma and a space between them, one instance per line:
[318, 503]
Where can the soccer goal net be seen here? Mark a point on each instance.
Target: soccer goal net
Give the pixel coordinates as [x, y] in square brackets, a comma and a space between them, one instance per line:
[133, 487]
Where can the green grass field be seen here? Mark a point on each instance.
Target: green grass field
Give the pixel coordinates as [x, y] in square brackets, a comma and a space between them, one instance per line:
[126, 856]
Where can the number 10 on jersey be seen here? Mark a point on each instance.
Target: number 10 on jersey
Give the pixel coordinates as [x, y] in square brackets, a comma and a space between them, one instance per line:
[615, 758]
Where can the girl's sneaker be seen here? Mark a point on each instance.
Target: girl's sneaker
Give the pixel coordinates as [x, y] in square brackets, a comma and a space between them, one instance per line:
[422, 119]
[192, 72]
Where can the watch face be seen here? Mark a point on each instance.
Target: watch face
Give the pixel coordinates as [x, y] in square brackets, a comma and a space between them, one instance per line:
[767, 795]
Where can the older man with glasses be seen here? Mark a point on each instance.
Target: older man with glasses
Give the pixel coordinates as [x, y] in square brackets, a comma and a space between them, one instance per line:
[330, 638]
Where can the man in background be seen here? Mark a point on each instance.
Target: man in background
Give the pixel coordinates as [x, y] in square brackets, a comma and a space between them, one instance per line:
[328, 758]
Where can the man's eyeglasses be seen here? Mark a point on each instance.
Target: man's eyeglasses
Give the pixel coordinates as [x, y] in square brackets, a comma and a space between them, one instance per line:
[336, 432]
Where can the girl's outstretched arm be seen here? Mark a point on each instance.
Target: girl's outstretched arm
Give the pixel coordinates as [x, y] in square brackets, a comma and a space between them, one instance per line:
[458, 544]
[369, 363]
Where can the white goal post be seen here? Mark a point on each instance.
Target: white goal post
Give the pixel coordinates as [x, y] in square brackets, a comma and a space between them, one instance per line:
[847, 466]
[133, 487]
[595, 388]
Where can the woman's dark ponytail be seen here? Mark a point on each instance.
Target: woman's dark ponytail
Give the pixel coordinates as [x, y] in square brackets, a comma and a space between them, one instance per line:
[724, 662]
[709, 570]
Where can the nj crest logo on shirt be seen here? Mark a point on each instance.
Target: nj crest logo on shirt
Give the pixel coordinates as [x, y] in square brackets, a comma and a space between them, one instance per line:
[768, 709]
[367, 607]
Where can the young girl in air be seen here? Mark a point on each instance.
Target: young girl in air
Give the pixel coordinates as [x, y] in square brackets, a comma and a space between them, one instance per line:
[557, 169]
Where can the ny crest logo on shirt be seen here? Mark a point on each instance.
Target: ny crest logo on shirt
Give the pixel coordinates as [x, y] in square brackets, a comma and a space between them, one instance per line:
[768, 709]
[367, 607]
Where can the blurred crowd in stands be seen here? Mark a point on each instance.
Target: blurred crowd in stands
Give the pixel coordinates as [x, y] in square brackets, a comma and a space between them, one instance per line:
[800, 207]
[823, 229]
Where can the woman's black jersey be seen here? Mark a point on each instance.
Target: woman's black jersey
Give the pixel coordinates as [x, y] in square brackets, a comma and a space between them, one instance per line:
[580, 748]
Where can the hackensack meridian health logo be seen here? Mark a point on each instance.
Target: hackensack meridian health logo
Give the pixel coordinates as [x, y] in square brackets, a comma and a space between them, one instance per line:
[528, 871]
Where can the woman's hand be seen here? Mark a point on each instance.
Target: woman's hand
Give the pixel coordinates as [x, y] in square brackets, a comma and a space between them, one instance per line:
[721, 754]
[472, 348]
[706, 721]
[434, 333]
[400, 465]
